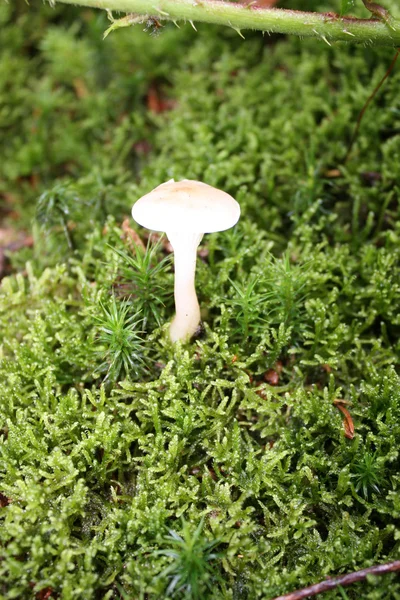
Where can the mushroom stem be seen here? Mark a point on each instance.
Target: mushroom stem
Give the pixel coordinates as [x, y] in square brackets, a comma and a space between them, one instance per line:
[187, 308]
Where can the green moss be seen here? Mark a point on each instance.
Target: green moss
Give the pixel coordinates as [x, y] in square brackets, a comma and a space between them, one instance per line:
[227, 453]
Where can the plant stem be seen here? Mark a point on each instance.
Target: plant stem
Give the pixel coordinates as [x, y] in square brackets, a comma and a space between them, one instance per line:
[327, 26]
[367, 103]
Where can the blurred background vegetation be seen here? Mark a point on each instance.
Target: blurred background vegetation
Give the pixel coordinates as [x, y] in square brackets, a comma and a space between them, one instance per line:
[226, 468]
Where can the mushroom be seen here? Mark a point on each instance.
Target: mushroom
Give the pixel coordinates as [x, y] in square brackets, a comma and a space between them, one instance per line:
[186, 210]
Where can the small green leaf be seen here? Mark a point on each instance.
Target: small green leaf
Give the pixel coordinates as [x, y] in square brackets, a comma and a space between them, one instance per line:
[123, 22]
[346, 6]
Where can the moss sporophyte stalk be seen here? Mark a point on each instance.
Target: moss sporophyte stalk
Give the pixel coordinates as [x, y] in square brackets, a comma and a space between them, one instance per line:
[134, 467]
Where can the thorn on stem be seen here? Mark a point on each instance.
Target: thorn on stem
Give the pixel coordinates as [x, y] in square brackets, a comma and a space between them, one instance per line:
[326, 40]
[161, 12]
[238, 31]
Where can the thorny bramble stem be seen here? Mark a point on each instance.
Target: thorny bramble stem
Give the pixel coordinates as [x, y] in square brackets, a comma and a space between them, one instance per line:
[325, 26]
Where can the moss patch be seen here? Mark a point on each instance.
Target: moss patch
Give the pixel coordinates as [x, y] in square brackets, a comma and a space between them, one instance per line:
[220, 469]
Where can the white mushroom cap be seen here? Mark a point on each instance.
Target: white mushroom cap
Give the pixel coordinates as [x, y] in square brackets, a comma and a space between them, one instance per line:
[190, 205]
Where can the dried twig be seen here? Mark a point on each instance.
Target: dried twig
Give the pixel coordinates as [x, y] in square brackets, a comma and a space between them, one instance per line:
[329, 584]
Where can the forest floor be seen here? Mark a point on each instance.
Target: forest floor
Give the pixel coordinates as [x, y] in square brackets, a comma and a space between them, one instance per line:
[262, 456]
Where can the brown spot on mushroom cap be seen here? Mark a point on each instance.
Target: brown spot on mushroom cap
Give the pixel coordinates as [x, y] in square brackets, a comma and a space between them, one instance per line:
[188, 205]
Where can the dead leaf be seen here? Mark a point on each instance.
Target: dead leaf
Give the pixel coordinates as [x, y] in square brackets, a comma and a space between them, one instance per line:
[371, 178]
[45, 594]
[80, 87]
[332, 173]
[271, 377]
[131, 235]
[347, 421]
[4, 501]
[12, 240]
[142, 147]
[157, 102]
